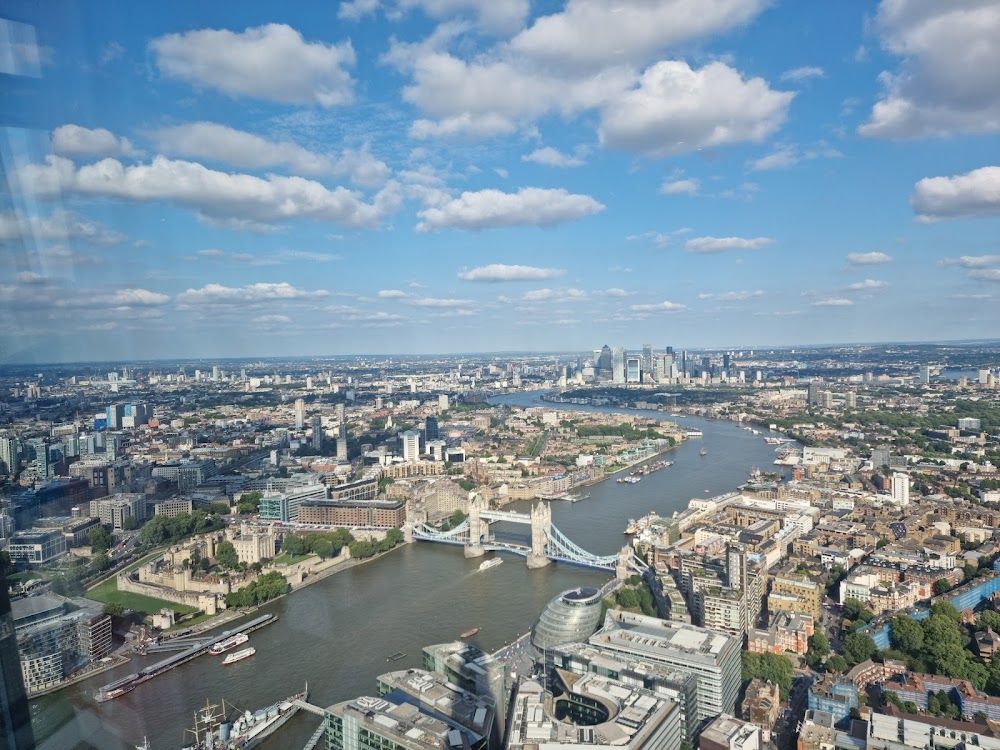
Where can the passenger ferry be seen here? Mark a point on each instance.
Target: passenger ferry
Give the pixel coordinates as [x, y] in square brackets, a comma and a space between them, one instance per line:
[239, 656]
[490, 563]
[230, 643]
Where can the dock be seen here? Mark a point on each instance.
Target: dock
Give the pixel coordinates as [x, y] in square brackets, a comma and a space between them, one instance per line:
[192, 651]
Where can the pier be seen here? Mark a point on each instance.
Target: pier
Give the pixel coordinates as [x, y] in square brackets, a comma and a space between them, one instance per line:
[192, 651]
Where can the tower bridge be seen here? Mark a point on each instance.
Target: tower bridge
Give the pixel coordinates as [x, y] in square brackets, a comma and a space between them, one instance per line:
[546, 541]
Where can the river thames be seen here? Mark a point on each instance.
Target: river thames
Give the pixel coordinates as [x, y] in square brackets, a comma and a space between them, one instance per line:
[338, 633]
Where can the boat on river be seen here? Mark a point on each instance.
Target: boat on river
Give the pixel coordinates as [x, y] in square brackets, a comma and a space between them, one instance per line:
[226, 729]
[230, 643]
[469, 633]
[239, 656]
[490, 563]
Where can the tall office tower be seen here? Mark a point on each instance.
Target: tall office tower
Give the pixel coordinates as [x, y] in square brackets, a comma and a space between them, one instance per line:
[342, 443]
[647, 360]
[633, 369]
[684, 363]
[431, 430]
[727, 360]
[215, 372]
[115, 414]
[10, 455]
[300, 414]
[410, 446]
[901, 488]
[41, 456]
[984, 377]
[814, 389]
[604, 362]
[597, 359]
[925, 375]
[15, 717]
[317, 429]
[618, 364]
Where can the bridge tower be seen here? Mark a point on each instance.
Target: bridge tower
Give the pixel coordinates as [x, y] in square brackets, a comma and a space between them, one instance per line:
[479, 528]
[623, 567]
[541, 524]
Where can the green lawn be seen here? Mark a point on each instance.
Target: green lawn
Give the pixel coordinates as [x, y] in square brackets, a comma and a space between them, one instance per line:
[200, 617]
[107, 592]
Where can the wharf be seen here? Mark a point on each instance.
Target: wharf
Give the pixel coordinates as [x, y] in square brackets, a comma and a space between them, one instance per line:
[127, 684]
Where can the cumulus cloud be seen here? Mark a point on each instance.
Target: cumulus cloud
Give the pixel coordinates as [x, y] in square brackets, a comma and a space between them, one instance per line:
[658, 238]
[243, 200]
[805, 73]
[833, 302]
[676, 109]
[271, 62]
[742, 296]
[217, 294]
[74, 140]
[499, 272]
[497, 16]
[391, 294]
[355, 10]
[867, 285]
[488, 209]
[868, 259]
[555, 295]
[680, 187]
[59, 226]
[272, 319]
[986, 274]
[596, 33]
[973, 261]
[134, 297]
[658, 307]
[974, 194]
[948, 80]
[725, 244]
[616, 292]
[438, 302]
[215, 142]
[782, 158]
[552, 157]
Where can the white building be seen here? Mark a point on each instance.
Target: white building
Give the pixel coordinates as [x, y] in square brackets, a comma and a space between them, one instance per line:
[901, 488]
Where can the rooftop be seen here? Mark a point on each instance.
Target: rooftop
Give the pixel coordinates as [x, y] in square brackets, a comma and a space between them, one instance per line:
[659, 639]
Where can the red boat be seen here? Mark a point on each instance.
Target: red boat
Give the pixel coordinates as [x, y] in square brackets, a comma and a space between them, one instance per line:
[469, 633]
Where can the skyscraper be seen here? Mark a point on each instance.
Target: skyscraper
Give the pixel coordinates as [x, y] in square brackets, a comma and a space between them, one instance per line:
[431, 430]
[618, 364]
[647, 360]
[15, 717]
[317, 430]
[300, 414]
[10, 455]
[604, 360]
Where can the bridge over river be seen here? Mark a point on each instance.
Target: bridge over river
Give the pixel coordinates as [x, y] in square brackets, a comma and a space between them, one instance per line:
[546, 542]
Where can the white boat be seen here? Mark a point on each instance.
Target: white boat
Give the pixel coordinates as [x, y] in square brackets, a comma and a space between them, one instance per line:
[230, 643]
[221, 730]
[239, 656]
[491, 563]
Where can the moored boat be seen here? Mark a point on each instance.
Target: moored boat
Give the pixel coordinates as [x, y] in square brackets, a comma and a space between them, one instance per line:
[236, 656]
[230, 643]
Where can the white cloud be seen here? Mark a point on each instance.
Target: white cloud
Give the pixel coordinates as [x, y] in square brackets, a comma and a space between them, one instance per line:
[724, 244]
[596, 33]
[833, 302]
[804, 73]
[676, 109]
[355, 10]
[240, 200]
[976, 193]
[742, 296]
[868, 259]
[438, 302]
[214, 142]
[496, 15]
[271, 62]
[867, 285]
[217, 294]
[551, 157]
[784, 157]
[659, 238]
[986, 274]
[498, 272]
[30, 277]
[110, 52]
[391, 294]
[680, 187]
[616, 292]
[973, 261]
[133, 297]
[487, 209]
[555, 295]
[73, 140]
[948, 81]
[59, 226]
[658, 307]
[272, 319]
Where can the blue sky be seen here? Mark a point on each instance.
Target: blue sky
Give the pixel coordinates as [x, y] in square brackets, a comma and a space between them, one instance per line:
[239, 179]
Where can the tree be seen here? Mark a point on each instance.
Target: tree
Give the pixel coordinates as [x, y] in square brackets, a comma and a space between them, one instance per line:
[249, 502]
[859, 647]
[457, 517]
[770, 667]
[99, 562]
[627, 598]
[225, 554]
[988, 619]
[819, 648]
[100, 539]
[855, 609]
[941, 586]
[323, 548]
[946, 609]
[131, 523]
[293, 545]
[836, 663]
[115, 609]
[395, 537]
[907, 635]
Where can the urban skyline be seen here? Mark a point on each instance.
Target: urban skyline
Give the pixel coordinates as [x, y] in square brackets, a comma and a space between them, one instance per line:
[747, 173]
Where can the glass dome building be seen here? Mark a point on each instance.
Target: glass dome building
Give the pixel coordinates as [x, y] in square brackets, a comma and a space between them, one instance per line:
[571, 617]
